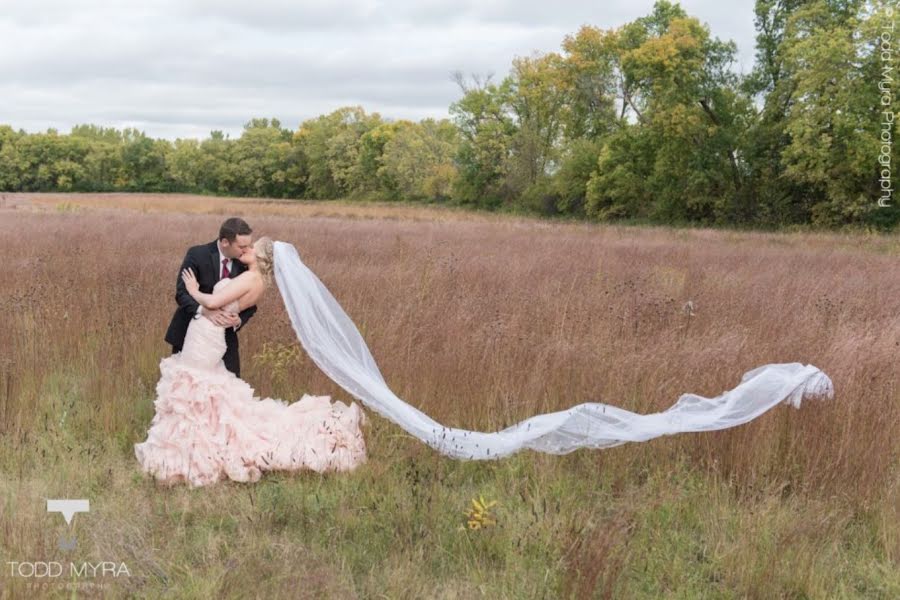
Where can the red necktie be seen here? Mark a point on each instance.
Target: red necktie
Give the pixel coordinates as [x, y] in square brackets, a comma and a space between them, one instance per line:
[225, 272]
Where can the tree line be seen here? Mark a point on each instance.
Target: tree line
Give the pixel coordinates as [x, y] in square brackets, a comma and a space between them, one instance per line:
[645, 122]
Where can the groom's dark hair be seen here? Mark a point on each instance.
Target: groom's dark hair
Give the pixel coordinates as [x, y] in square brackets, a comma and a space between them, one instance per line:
[234, 227]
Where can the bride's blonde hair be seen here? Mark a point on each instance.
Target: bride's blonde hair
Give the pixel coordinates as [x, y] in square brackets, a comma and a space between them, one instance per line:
[264, 257]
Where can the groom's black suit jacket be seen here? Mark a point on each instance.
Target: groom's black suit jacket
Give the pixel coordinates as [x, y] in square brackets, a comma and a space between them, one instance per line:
[203, 260]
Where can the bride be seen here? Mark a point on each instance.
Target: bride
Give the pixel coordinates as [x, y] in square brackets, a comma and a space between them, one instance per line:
[208, 424]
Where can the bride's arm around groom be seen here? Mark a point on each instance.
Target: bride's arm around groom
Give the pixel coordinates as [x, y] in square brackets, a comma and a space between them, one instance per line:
[204, 261]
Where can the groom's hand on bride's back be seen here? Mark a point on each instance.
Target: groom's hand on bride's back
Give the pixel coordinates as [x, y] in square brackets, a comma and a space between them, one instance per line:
[220, 317]
[234, 320]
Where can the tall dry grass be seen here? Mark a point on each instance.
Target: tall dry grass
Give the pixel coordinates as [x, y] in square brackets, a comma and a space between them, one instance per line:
[482, 322]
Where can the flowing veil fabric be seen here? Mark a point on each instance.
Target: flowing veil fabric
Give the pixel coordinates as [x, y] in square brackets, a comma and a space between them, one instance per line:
[336, 346]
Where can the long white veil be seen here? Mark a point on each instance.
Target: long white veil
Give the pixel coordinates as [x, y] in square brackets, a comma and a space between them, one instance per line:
[336, 346]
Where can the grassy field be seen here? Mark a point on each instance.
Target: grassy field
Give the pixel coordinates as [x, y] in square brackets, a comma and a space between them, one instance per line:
[480, 321]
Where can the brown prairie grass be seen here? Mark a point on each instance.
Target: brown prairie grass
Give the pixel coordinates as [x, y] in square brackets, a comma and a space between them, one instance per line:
[480, 321]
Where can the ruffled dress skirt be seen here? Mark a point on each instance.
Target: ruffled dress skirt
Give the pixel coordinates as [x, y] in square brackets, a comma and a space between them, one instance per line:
[209, 426]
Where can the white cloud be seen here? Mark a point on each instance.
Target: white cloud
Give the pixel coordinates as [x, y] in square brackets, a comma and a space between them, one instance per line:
[185, 68]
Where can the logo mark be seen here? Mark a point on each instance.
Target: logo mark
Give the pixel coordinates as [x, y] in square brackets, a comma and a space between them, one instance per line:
[68, 508]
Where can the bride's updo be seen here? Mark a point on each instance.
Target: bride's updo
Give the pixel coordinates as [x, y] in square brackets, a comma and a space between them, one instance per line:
[264, 257]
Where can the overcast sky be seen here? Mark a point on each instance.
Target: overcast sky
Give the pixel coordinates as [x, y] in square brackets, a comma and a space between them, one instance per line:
[181, 68]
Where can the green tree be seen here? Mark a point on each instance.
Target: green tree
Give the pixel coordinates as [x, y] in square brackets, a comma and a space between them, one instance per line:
[419, 160]
[831, 53]
[144, 163]
[330, 147]
[486, 130]
[257, 159]
[689, 113]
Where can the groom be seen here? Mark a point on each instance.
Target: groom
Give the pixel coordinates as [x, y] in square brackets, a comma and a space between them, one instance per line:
[210, 263]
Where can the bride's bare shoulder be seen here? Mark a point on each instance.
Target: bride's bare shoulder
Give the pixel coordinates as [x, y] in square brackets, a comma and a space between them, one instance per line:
[251, 277]
[248, 274]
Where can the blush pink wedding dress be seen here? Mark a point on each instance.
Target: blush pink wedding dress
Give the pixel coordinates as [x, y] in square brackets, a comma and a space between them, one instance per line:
[209, 426]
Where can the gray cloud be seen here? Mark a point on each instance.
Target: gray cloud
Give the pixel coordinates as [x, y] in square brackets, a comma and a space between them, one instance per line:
[181, 69]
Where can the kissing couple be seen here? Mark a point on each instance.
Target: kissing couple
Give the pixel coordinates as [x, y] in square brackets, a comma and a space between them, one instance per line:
[209, 426]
